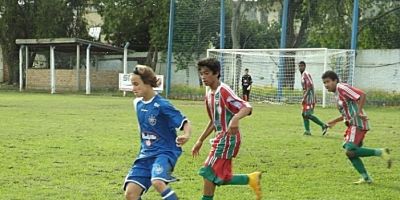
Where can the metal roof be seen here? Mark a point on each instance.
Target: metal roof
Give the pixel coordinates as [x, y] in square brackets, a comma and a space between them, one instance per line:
[69, 44]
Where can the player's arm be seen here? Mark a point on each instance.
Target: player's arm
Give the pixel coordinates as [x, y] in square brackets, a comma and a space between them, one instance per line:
[187, 131]
[234, 123]
[361, 103]
[335, 121]
[207, 131]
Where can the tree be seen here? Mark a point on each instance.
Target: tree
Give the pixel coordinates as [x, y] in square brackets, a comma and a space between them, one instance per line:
[37, 19]
[143, 23]
[196, 23]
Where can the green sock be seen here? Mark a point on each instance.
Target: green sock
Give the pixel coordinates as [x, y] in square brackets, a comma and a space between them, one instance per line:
[240, 179]
[358, 164]
[306, 125]
[205, 197]
[365, 152]
[316, 120]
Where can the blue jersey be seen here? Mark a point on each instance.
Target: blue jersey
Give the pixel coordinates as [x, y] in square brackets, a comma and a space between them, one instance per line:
[158, 120]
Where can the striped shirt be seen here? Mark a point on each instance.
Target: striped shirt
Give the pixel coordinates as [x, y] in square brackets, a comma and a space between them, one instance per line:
[347, 97]
[308, 88]
[222, 104]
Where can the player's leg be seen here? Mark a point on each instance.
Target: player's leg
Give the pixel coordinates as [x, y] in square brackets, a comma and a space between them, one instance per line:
[133, 191]
[306, 122]
[138, 180]
[353, 140]
[161, 174]
[244, 97]
[247, 95]
[367, 152]
[208, 190]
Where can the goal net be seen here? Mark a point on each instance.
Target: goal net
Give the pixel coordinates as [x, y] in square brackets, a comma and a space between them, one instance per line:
[275, 73]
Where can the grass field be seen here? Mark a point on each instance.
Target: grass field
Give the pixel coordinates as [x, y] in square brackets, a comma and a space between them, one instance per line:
[81, 147]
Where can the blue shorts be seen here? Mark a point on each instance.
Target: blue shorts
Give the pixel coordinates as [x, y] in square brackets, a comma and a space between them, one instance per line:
[145, 170]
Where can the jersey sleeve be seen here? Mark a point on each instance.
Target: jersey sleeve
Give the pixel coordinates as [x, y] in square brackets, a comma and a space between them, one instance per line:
[175, 117]
[350, 92]
[232, 101]
[250, 80]
[307, 81]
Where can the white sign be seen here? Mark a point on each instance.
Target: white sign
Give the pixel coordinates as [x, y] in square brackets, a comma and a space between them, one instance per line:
[125, 83]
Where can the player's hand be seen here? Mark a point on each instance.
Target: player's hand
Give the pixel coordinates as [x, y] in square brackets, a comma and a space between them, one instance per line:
[233, 126]
[331, 124]
[182, 139]
[196, 148]
[362, 116]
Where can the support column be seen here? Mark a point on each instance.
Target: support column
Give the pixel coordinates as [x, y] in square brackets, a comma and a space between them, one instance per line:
[21, 82]
[78, 57]
[88, 69]
[52, 71]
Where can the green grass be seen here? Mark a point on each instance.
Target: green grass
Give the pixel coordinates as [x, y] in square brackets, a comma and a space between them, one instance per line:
[81, 147]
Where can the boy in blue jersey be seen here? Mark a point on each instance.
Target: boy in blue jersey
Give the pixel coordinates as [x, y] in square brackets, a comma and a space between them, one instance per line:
[160, 146]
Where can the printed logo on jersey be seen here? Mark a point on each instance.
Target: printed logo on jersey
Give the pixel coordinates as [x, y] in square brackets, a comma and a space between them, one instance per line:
[158, 169]
[233, 102]
[152, 120]
[149, 138]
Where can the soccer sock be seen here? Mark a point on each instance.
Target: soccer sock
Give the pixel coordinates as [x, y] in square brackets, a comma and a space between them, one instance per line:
[169, 194]
[205, 197]
[365, 152]
[306, 125]
[316, 120]
[239, 179]
[359, 165]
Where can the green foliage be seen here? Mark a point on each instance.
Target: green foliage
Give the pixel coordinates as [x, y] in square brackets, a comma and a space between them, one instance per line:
[143, 23]
[196, 23]
[38, 19]
[81, 147]
[254, 35]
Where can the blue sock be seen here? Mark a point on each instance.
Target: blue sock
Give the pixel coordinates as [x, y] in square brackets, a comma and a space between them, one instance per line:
[169, 194]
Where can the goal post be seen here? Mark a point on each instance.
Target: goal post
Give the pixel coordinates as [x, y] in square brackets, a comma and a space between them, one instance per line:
[275, 73]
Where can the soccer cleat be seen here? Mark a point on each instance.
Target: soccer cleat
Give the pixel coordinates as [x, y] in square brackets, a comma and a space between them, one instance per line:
[325, 129]
[255, 184]
[307, 133]
[386, 156]
[363, 181]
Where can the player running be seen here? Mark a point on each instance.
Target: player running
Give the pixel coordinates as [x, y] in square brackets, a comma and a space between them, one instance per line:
[225, 110]
[308, 101]
[246, 85]
[350, 102]
[160, 145]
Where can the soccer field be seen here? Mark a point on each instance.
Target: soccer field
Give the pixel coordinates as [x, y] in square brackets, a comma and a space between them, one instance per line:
[81, 147]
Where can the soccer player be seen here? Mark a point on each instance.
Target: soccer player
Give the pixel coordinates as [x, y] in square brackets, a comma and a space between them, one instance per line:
[246, 85]
[308, 101]
[160, 145]
[350, 102]
[225, 110]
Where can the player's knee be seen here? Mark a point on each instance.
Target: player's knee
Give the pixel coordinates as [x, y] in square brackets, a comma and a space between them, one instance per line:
[350, 154]
[131, 195]
[158, 184]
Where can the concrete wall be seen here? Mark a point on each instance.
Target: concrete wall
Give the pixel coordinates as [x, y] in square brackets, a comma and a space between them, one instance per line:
[378, 69]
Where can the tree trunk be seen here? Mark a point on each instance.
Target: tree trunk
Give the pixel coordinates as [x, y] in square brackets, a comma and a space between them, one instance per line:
[235, 25]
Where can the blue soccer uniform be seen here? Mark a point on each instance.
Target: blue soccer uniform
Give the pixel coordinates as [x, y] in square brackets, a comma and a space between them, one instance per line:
[158, 120]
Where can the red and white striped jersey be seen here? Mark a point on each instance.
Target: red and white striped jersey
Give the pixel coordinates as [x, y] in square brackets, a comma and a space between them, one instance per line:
[308, 88]
[347, 97]
[222, 105]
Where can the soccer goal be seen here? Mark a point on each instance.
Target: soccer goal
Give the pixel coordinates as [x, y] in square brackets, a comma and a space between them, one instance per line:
[275, 73]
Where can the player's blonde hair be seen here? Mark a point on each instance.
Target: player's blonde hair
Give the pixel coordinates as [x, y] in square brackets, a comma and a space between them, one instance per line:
[147, 75]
